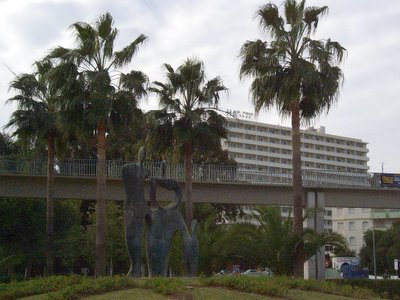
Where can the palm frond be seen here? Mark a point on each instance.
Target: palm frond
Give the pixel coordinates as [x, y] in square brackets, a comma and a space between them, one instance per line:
[294, 12]
[270, 20]
[312, 15]
[135, 82]
[104, 25]
[86, 36]
[125, 55]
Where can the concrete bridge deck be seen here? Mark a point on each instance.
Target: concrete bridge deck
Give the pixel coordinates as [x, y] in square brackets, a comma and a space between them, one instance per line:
[28, 186]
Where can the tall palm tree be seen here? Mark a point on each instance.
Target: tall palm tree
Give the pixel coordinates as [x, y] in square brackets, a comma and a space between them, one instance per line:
[295, 73]
[91, 70]
[35, 119]
[188, 119]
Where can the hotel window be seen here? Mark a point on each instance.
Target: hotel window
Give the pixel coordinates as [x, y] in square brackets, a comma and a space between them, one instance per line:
[285, 210]
[352, 226]
[352, 210]
[352, 240]
[365, 226]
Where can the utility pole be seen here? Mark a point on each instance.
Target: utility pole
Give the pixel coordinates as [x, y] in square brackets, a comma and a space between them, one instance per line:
[373, 241]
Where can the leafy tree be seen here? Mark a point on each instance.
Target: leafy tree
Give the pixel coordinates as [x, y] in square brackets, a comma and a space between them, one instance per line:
[387, 248]
[7, 146]
[76, 248]
[271, 242]
[22, 232]
[218, 213]
[97, 94]
[344, 251]
[35, 119]
[210, 235]
[296, 74]
[22, 237]
[188, 119]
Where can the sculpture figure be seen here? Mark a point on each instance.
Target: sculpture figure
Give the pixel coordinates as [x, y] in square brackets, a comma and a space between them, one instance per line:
[135, 211]
[161, 227]
[162, 222]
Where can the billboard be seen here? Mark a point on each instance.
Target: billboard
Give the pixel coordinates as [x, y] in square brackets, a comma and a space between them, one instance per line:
[390, 180]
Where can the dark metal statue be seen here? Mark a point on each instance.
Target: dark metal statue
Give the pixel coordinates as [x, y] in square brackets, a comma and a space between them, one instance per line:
[162, 222]
[135, 211]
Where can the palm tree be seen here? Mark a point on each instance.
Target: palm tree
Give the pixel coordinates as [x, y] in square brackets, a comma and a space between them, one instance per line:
[91, 70]
[295, 73]
[271, 242]
[188, 119]
[35, 119]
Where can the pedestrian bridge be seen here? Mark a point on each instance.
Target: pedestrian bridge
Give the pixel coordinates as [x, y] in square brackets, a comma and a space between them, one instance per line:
[75, 179]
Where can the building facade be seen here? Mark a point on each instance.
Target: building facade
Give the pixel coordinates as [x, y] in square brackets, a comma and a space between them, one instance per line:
[261, 146]
[354, 222]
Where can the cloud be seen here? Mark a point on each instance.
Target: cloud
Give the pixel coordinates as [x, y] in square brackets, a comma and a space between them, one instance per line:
[214, 31]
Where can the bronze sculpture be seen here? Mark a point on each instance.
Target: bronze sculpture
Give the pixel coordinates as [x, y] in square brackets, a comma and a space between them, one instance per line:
[162, 222]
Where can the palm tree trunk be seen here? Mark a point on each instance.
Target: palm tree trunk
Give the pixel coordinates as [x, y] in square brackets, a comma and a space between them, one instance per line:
[49, 270]
[189, 183]
[298, 267]
[100, 267]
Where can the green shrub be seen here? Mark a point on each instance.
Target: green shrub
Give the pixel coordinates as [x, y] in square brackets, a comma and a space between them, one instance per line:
[278, 286]
[89, 286]
[63, 287]
[36, 286]
[262, 286]
[384, 288]
[165, 286]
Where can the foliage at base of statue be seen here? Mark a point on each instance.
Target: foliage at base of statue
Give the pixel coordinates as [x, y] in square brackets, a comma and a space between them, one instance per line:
[247, 284]
[164, 285]
[74, 287]
[90, 286]
[388, 289]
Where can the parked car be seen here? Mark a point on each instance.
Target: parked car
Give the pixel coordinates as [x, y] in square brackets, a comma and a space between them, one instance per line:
[250, 272]
[253, 272]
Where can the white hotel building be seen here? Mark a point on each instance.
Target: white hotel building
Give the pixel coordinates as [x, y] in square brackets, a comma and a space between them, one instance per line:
[261, 146]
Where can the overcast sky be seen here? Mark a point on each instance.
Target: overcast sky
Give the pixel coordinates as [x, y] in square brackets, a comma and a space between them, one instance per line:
[214, 31]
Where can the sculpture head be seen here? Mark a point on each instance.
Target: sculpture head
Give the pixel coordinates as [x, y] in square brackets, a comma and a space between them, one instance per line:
[135, 174]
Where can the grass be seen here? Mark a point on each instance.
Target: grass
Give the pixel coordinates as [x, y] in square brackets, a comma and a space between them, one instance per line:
[219, 287]
[137, 293]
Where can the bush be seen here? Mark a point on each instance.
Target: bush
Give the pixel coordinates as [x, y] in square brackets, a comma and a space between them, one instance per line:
[384, 288]
[89, 286]
[63, 287]
[262, 286]
[278, 286]
[36, 286]
[326, 286]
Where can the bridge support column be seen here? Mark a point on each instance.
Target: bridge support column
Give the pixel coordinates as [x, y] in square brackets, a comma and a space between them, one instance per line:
[314, 268]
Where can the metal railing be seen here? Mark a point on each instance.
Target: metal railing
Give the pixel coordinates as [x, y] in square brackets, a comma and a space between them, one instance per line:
[205, 173]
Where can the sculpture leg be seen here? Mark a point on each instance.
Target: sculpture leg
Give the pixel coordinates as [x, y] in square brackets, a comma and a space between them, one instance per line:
[191, 251]
[133, 236]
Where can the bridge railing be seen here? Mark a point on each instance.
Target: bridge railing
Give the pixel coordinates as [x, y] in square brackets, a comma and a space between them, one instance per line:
[206, 173]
